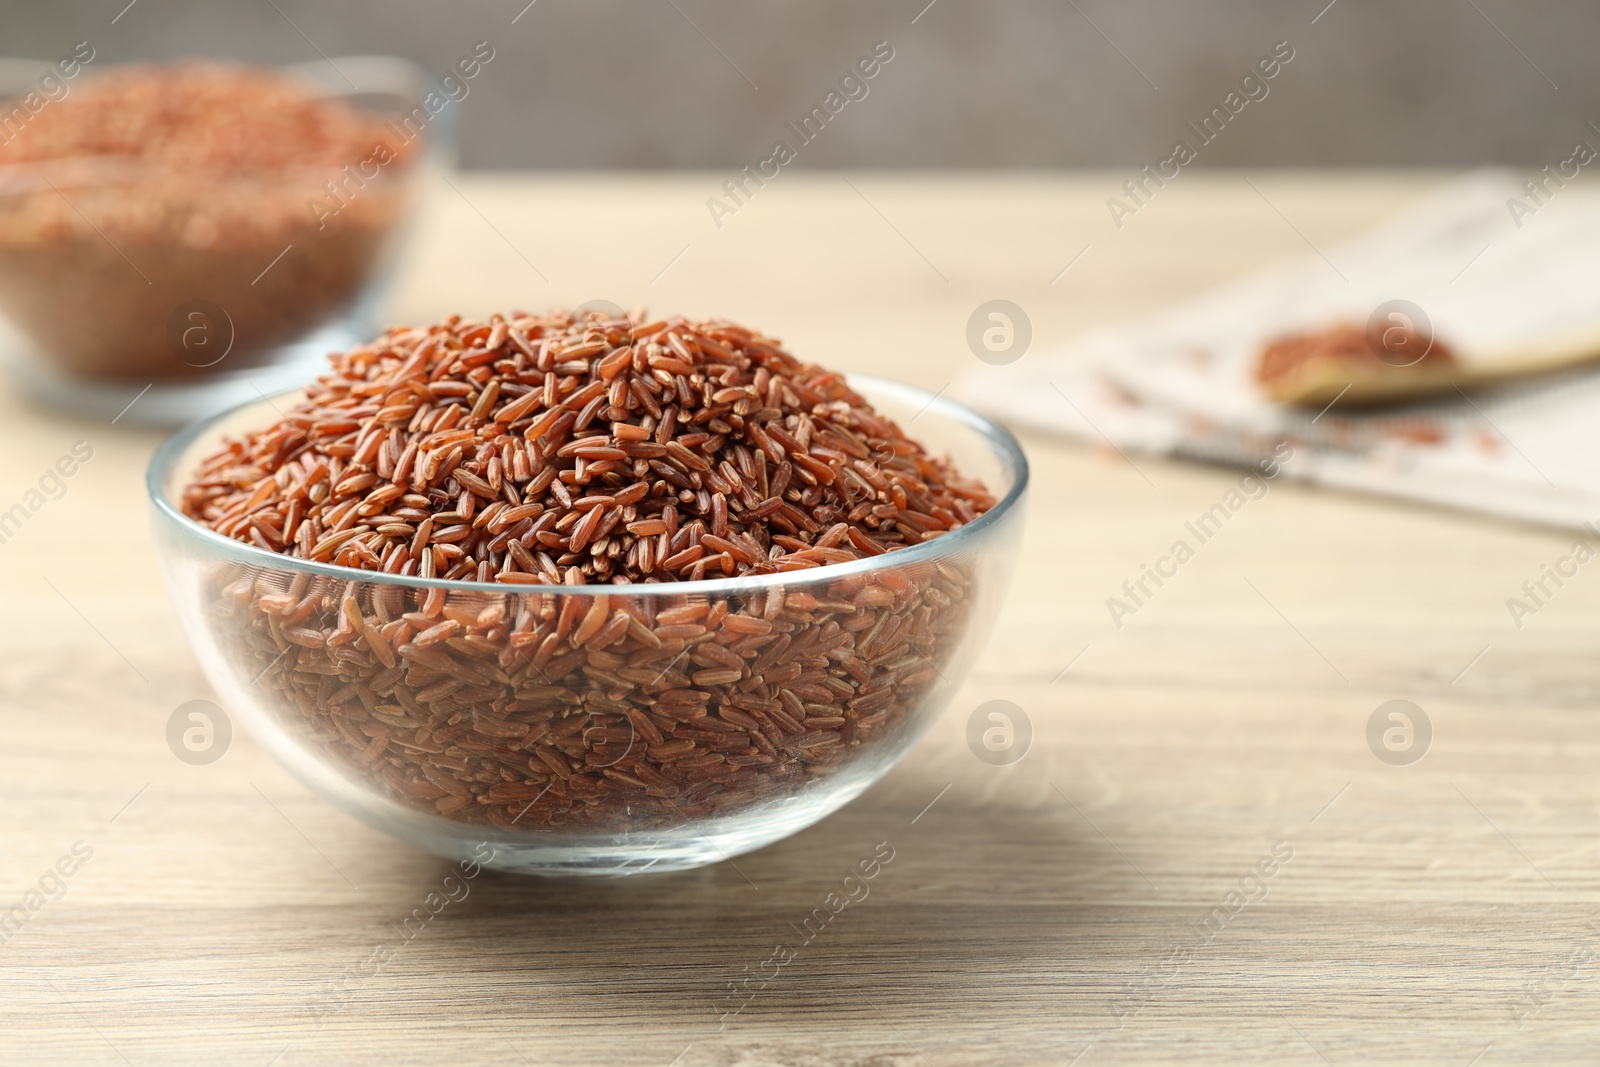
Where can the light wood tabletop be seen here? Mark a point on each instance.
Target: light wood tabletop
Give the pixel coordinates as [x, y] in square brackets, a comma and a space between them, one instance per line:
[1199, 859]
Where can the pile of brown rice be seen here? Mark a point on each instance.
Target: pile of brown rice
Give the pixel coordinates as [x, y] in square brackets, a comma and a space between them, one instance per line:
[153, 186]
[543, 452]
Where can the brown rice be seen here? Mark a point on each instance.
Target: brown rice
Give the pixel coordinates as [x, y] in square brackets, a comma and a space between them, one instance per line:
[547, 452]
[154, 187]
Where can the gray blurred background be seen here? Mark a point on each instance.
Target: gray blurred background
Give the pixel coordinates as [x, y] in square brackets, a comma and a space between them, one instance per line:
[1005, 83]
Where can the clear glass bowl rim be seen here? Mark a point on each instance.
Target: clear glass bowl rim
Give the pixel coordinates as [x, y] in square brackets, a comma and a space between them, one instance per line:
[389, 70]
[1003, 443]
[383, 75]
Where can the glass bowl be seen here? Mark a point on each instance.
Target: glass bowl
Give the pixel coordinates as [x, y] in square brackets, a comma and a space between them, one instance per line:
[605, 729]
[130, 278]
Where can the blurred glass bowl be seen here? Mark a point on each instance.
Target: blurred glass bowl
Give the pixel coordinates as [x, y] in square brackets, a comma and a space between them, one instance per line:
[605, 729]
[195, 289]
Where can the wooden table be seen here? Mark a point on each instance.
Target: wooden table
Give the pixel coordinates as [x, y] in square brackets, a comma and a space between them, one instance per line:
[1060, 907]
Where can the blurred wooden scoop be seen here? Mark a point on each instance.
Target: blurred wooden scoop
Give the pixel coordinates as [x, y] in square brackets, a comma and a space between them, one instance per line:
[1382, 364]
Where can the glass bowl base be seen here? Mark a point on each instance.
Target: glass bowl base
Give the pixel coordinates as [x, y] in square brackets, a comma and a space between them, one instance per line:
[166, 404]
[623, 854]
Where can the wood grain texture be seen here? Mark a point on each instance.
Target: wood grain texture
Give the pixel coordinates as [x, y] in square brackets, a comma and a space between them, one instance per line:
[1038, 912]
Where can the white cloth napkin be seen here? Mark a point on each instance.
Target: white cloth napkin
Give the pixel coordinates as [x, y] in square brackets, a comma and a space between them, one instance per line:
[1181, 383]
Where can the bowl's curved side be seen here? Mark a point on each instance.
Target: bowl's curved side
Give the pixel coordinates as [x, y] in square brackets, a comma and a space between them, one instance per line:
[218, 283]
[566, 729]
